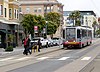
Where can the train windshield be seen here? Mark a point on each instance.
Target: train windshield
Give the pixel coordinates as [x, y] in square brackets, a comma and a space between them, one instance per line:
[70, 33]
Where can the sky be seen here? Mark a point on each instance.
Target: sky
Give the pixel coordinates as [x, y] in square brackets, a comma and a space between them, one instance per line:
[82, 5]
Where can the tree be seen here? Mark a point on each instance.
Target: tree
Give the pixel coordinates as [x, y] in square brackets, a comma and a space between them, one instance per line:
[94, 27]
[51, 28]
[29, 21]
[75, 16]
[40, 22]
[10, 42]
[53, 19]
[98, 32]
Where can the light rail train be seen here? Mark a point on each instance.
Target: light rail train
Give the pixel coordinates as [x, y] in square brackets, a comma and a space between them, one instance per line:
[77, 36]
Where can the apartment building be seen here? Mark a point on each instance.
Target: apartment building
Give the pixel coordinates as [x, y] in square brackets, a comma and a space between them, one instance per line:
[40, 7]
[88, 17]
[9, 17]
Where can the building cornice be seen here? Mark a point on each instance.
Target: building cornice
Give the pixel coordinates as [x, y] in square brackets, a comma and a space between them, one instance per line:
[15, 3]
[39, 2]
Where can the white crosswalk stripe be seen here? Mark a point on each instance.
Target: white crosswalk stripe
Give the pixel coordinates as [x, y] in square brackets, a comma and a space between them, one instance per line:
[30, 57]
[86, 58]
[5, 59]
[23, 58]
[42, 58]
[63, 58]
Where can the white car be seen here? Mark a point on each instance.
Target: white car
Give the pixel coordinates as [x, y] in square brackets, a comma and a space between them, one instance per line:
[44, 42]
[50, 42]
[57, 41]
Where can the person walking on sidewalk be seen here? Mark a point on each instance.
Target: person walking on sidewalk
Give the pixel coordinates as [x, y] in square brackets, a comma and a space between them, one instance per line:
[39, 45]
[26, 46]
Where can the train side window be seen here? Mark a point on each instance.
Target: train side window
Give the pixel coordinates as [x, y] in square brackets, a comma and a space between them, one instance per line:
[78, 34]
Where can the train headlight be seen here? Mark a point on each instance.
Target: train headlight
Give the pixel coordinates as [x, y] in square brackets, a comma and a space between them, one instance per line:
[74, 41]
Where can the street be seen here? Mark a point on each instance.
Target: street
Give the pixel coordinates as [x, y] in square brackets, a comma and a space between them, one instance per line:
[61, 60]
[49, 36]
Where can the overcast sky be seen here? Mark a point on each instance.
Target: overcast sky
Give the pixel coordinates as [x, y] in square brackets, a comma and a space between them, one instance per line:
[70, 5]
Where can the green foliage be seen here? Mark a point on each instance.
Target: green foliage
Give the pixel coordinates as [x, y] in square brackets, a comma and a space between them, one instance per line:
[78, 23]
[54, 17]
[41, 23]
[75, 15]
[98, 32]
[94, 24]
[10, 38]
[51, 28]
[9, 48]
[29, 21]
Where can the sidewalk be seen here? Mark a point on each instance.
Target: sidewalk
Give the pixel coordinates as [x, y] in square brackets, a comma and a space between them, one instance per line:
[19, 50]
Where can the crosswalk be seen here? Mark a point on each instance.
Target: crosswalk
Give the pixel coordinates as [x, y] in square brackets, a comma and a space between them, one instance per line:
[17, 58]
[5, 59]
[30, 57]
[63, 58]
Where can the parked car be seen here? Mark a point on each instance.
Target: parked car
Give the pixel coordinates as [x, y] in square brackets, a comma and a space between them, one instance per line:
[44, 42]
[50, 42]
[57, 41]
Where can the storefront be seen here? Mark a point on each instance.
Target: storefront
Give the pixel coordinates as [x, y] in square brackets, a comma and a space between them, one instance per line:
[13, 29]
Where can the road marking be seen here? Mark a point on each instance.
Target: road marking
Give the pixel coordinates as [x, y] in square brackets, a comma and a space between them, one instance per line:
[63, 58]
[7, 59]
[23, 58]
[42, 58]
[86, 58]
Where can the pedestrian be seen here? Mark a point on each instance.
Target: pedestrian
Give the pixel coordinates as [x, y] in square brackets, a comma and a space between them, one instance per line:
[27, 48]
[39, 45]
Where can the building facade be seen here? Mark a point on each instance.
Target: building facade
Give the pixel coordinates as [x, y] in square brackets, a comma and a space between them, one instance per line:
[88, 17]
[9, 17]
[41, 7]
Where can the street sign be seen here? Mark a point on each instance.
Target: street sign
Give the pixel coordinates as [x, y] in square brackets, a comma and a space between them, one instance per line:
[35, 29]
[44, 30]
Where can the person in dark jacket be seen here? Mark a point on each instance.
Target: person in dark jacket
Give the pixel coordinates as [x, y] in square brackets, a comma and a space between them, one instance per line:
[39, 45]
[27, 46]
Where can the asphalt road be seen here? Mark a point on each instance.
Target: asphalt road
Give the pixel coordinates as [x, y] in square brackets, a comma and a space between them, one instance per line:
[51, 62]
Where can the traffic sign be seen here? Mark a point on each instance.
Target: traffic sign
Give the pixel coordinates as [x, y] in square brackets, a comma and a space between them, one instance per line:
[35, 29]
